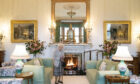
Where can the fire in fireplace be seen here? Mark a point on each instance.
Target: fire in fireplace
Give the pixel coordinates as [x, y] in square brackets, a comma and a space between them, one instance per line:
[72, 64]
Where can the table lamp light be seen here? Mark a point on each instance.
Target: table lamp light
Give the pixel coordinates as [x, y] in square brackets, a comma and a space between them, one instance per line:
[18, 54]
[122, 54]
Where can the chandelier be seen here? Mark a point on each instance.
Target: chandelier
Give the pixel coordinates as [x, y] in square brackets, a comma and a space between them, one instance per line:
[71, 13]
[71, 7]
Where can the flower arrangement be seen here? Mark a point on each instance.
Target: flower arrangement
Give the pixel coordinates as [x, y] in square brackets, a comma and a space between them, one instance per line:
[109, 48]
[35, 47]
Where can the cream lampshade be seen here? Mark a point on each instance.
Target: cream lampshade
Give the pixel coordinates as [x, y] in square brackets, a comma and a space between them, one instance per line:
[122, 54]
[18, 54]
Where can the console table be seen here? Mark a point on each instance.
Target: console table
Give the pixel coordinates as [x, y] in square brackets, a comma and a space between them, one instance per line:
[1, 56]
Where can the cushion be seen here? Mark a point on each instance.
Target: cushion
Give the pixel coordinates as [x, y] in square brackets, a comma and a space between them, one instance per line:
[8, 71]
[110, 67]
[37, 62]
[102, 66]
[10, 63]
[98, 64]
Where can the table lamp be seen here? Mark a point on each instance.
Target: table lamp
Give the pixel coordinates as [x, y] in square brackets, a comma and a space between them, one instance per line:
[122, 54]
[18, 54]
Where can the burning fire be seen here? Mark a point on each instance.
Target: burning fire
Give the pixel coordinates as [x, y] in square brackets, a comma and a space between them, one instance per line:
[70, 62]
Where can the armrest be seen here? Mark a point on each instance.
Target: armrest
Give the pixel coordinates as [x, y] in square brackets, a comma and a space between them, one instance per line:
[91, 64]
[101, 74]
[48, 62]
[38, 72]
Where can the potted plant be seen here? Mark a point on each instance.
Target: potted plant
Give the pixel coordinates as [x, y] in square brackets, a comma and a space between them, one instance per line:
[35, 47]
[109, 48]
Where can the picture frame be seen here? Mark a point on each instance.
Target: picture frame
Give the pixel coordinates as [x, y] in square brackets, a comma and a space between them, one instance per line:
[117, 31]
[23, 30]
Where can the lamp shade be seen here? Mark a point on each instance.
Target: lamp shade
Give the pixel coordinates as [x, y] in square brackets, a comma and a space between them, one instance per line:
[20, 53]
[122, 53]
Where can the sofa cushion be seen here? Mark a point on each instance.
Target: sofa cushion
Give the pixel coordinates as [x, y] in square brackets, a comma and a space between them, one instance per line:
[102, 66]
[98, 64]
[7, 71]
[92, 75]
[111, 67]
[37, 62]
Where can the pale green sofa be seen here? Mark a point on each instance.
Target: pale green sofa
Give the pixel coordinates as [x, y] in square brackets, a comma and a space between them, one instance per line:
[95, 76]
[42, 74]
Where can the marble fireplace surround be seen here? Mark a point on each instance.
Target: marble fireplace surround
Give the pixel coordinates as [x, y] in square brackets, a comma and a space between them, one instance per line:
[77, 50]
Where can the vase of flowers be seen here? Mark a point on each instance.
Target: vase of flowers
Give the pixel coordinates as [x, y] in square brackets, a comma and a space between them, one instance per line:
[109, 48]
[35, 47]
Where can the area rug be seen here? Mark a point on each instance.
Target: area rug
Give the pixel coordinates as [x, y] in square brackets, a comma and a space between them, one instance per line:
[73, 80]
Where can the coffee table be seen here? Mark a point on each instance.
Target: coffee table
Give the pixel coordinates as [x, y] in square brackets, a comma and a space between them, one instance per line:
[26, 75]
[116, 79]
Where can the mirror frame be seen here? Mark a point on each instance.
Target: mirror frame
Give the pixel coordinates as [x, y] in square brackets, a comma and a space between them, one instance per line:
[53, 2]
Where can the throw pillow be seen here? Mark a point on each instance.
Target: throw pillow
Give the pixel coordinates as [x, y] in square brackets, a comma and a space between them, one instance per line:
[98, 64]
[37, 62]
[102, 66]
[110, 67]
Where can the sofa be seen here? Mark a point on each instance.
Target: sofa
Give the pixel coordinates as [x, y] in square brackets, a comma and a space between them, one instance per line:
[42, 74]
[96, 76]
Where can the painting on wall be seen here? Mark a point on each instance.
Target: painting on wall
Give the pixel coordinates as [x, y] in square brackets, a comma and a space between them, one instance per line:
[23, 31]
[117, 31]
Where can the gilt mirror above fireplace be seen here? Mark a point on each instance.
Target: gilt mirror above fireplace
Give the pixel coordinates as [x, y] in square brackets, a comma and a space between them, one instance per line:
[69, 17]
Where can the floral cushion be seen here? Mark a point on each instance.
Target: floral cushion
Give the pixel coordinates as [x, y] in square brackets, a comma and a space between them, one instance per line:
[11, 81]
[7, 71]
[10, 63]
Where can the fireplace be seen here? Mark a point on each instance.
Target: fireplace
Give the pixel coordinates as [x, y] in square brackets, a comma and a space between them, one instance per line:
[73, 64]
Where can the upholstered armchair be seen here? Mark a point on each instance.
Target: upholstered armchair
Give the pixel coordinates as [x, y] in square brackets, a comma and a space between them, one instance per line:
[42, 73]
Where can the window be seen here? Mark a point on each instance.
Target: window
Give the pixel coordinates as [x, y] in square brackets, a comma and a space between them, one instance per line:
[79, 34]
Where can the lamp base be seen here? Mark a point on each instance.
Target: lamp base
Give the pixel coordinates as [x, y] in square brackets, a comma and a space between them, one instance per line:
[19, 66]
[122, 68]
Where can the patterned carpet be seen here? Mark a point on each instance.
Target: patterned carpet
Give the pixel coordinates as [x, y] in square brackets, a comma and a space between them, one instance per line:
[73, 80]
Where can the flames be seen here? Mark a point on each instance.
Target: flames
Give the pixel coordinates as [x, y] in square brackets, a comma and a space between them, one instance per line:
[70, 62]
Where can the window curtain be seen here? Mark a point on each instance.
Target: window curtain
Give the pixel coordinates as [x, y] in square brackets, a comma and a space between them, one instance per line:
[57, 32]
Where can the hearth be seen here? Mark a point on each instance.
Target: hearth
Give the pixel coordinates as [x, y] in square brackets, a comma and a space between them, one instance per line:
[73, 64]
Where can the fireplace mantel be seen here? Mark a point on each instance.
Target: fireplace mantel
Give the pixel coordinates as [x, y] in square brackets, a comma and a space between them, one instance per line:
[73, 48]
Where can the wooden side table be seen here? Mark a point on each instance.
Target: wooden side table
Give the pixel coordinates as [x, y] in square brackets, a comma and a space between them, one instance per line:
[26, 75]
[116, 79]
